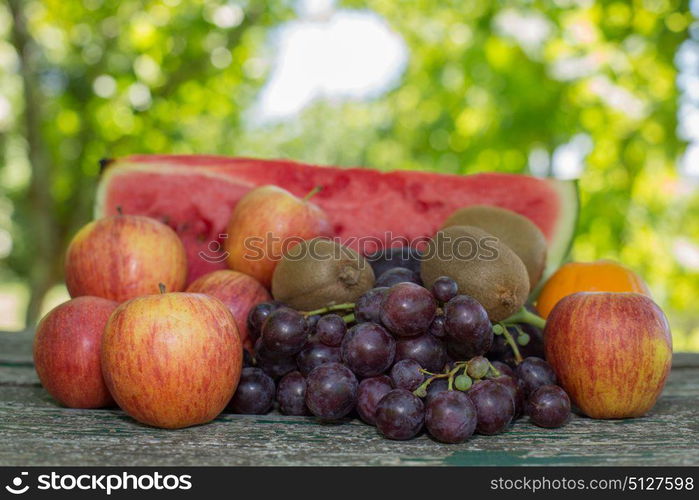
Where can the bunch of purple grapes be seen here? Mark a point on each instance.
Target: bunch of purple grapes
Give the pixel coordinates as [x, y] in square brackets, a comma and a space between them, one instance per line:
[403, 358]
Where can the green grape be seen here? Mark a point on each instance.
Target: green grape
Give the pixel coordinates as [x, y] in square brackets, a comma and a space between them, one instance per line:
[478, 367]
[463, 382]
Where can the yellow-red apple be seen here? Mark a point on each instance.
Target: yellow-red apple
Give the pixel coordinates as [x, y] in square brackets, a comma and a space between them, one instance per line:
[238, 291]
[67, 352]
[267, 222]
[611, 352]
[172, 360]
[125, 256]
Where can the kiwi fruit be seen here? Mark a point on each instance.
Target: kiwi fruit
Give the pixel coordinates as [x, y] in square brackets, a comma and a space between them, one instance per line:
[482, 265]
[515, 230]
[319, 272]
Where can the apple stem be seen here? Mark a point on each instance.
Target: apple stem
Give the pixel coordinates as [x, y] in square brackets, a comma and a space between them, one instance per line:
[325, 310]
[161, 287]
[119, 210]
[312, 193]
[525, 316]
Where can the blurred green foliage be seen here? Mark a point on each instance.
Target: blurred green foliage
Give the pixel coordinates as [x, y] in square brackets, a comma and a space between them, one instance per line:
[114, 78]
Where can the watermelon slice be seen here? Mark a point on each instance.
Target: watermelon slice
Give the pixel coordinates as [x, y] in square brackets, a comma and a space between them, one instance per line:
[196, 194]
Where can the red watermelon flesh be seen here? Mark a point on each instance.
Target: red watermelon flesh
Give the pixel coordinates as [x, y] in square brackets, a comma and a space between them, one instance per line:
[195, 195]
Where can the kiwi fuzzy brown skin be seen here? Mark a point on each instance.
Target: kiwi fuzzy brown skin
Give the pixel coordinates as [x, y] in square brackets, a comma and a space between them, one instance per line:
[495, 276]
[517, 232]
[320, 272]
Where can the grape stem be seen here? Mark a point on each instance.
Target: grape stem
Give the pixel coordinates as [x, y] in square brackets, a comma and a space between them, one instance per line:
[434, 376]
[325, 310]
[348, 318]
[513, 345]
[450, 374]
[522, 336]
[496, 372]
[525, 316]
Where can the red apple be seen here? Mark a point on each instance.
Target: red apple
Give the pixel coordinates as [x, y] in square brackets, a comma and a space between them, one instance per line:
[266, 222]
[238, 291]
[611, 352]
[67, 352]
[125, 256]
[172, 360]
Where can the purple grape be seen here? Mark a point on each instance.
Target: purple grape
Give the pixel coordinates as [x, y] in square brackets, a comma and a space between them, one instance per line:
[291, 394]
[368, 349]
[494, 406]
[535, 372]
[503, 368]
[276, 367]
[460, 352]
[406, 374]
[444, 289]
[516, 389]
[408, 309]
[468, 328]
[312, 321]
[330, 329]
[388, 258]
[451, 417]
[535, 347]
[254, 394]
[331, 391]
[314, 355]
[436, 328]
[258, 315]
[398, 275]
[368, 306]
[456, 351]
[500, 349]
[549, 406]
[260, 350]
[248, 359]
[369, 393]
[425, 349]
[273, 364]
[449, 361]
[400, 415]
[284, 332]
[436, 387]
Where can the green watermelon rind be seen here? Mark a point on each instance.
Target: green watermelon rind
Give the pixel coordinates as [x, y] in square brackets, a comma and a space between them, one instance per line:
[566, 227]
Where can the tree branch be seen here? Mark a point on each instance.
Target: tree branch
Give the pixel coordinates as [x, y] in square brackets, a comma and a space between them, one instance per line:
[39, 201]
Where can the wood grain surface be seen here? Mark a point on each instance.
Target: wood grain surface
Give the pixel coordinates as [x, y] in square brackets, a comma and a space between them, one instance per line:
[34, 430]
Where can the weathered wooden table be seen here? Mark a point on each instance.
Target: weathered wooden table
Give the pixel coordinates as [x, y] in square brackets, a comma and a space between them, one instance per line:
[35, 431]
